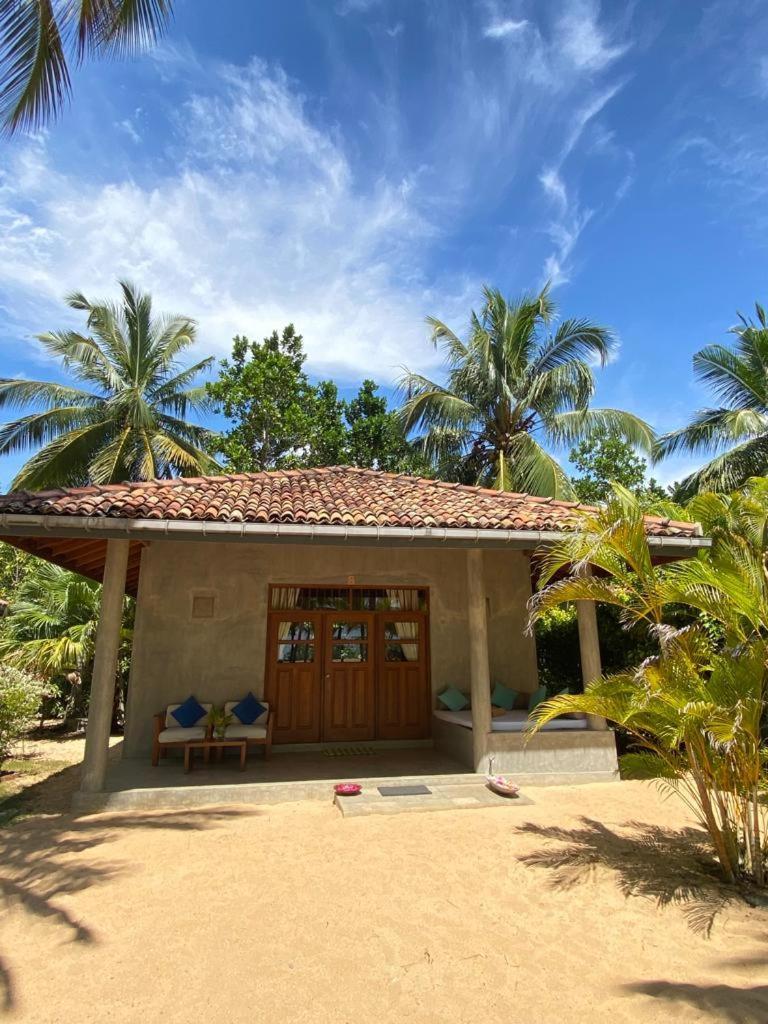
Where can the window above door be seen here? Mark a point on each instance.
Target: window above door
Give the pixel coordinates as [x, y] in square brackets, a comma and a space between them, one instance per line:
[358, 598]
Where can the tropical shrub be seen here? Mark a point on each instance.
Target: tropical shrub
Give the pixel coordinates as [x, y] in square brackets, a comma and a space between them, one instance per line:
[20, 697]
[695, 708]
[50, 631]
[558, 652]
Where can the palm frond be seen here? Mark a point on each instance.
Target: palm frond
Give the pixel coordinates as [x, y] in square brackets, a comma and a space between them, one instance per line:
[33, 67]
[431, 405]
[731, 378]
[712, 430]
[730, 470]
[568, 428]
[534, 471]
[113, 464]
[441, 334]
[575, 340]
[134, 25]
[63, 461]
[17, 393]
[42, 427]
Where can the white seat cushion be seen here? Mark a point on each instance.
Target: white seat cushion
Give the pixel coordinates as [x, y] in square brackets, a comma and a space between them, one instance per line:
[179, 735]
[246, 732]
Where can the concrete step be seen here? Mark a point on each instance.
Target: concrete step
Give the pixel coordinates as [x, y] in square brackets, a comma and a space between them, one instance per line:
[442, 797]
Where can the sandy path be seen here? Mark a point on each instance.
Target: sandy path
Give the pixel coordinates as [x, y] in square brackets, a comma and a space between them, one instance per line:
[291, 913]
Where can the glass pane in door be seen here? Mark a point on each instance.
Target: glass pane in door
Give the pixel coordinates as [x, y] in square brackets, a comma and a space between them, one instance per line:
[349, 642]
[295, 653]
[295, 642]
[349, 653]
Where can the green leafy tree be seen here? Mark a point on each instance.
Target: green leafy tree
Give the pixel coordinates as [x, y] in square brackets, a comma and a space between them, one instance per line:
[39, 39]
[128, 422]
[14, 566]
[264, 390]
[604, 459]
[327, 432]
[282, 420]
[516, 387]
[375, 437]
[695, 709]
[737, 427]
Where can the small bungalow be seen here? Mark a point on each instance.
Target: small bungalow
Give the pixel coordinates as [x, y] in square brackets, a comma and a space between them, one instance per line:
[348, 600]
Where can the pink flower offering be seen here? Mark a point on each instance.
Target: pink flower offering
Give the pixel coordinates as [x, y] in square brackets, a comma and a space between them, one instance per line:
[347, 788]
[502, 785]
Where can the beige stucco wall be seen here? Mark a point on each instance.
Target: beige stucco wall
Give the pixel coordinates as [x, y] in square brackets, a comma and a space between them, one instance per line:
[223, 657]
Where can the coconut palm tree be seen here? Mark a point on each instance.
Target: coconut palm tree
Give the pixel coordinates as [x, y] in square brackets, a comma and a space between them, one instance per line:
[128, 422]
[694, 712]
[515, 387]
[737, 428]
[35, 36]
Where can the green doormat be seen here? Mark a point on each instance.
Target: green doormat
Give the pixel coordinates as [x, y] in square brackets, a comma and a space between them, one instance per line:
[348, 751]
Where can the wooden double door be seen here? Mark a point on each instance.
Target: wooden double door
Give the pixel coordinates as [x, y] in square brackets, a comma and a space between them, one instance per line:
[353, 676]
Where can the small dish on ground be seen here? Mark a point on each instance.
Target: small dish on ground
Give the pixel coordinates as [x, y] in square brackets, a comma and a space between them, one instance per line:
[347, 789]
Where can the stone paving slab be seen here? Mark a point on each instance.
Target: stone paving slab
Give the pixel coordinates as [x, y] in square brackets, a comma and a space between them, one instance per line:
[441, 798]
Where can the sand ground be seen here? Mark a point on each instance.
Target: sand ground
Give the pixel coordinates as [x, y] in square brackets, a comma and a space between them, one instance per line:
[586, 906]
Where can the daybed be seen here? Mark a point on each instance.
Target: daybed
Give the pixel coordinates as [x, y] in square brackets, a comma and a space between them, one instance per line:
[510, 721]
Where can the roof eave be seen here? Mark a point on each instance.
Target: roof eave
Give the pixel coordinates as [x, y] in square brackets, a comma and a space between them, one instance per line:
[37, 525]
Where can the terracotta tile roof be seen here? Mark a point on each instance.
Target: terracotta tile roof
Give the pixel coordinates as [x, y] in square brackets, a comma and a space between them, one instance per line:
[336, 495]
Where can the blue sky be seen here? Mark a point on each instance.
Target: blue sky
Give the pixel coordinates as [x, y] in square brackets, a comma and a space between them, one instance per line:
[354, 165]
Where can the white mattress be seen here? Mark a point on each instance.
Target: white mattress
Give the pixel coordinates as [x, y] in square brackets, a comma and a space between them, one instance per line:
[511, 721]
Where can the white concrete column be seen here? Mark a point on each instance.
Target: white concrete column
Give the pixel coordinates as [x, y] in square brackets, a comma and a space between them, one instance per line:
[480, 672]
[589, 649]
[105, 667]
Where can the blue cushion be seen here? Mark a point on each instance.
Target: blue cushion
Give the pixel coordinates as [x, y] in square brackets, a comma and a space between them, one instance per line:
[537, 697]
[248, 710]
[189, 713]
[503, 697]
[453, 699]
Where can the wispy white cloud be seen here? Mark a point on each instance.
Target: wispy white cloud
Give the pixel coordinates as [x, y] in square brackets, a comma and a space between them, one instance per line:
[262, 223]
[128, 126]
[564, 233]
[258, 211]
[356, 6]
[554, 186]
[505, 27]
[584, 44]
[582, 40]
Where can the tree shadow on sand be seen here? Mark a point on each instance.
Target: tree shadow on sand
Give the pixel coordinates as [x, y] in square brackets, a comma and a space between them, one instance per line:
[668, 866]
[42, 859]
[726, 1003]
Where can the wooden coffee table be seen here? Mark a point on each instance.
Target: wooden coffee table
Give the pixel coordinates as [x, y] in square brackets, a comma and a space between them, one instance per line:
[212, 743]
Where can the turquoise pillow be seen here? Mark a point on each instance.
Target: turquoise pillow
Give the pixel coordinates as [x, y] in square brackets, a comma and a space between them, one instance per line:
[453, 699]
[503, 697]
[536, 698]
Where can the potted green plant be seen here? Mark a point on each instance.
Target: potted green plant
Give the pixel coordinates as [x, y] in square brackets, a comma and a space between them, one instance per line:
[219, 721]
